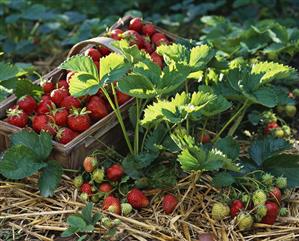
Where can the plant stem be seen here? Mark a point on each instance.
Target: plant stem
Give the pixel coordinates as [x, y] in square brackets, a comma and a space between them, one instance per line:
[144, 138]
[242, 108]
[136, 136]
[118, 115]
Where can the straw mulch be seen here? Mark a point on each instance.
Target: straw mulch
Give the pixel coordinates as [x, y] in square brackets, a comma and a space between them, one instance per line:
[25, 215]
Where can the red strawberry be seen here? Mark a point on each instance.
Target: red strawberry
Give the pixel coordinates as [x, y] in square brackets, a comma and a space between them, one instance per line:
[205, 138]
[148, 47]
[115, 172]
[94, 54]
[86, 188]
[79, 120]
[27, 104]
[148, 29]
[45, 105]
[112, 204]
[48, 86]
[104, 50]
[137, 199]
[236, 207]
[70, 102]
[43, 123]
[17, 117]
[136, 24]
[60, 116]
[116, 34]
[169, 203]
[122, 98]
[97, 108]
[157, 59]
[97, 64]
[275, 194]
[272, 213]
[105, 187]
[63, 84]
[134, 38]
[69, 76]
[159, 38]
[65, 135]
[270, 126]
[58, 95]
[90, 163]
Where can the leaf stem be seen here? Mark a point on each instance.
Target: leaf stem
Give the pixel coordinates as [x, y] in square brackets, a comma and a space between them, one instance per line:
[136, 136]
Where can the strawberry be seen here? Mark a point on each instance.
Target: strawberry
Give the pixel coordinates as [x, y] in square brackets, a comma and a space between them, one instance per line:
[244, 221]
[137, 199]
[78, 181]
[17, 117]
[98, 175]
[86, 188]
[58, 95]
[259, 197]
[136, 24]
[60, 116]
[134, 38]
[70, 102]
[126, 208]
[115, 172]
[169, 203]
[157, 59]
[115, 34]
[290, 110]
[205, 138]
[97, 108]
[48, 87]
[220, 211]
[148, 29]
[159, 38]
[147, 45]
[27, 104]
[69, 76]
[63, 84]
[122, 98]
[272, 213]
[104, 50]
[105, 187]
[267, 179]
[93, 53]
[261, 212]
[275, 194]
[97, 64]
[79, 120]
[84, 196]
[90, 163]
[65, 135]
[270, 126]
[112, 204]
[279, 133]
[281, 182]
[43, 123]
[45, 105]
[236, 207]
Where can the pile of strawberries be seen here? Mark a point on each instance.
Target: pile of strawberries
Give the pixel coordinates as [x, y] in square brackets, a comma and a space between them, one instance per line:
[99, 184]
[271, 126]
[263, 206]
[145, 36]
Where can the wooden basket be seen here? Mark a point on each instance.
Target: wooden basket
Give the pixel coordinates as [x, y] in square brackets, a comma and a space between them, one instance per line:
[104, 132]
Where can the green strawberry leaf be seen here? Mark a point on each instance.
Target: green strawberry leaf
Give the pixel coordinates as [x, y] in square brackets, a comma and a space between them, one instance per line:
[19, 162]
[4, 92]
[26, 87]
[174, 52]
[223, 179]
[40, 145]
[87, 212]
[76, 221]
[7, 71]
[70, 231]
[229, 147]
[83, 84]
[50, 178]
[200, 56]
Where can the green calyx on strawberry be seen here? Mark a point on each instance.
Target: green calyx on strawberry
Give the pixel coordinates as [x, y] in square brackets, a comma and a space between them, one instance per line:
[134, 38]
[79, 120]
[259, 197]
[90, 163]
[267, 179]
[137, 199]
[17, 117]
[281, 182]
[106, 222]
[169, 203]
[244, 221]
[272, 213]
[236, 207]
[78, 181]
[98, 175]
[283, 212]
[126, 209]
[112, 204]
[220, 211]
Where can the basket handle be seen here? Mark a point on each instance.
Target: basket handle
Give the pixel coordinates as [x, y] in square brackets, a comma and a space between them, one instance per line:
[107, 42]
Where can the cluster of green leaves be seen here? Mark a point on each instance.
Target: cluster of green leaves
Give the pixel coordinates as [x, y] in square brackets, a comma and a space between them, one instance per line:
[27, 155]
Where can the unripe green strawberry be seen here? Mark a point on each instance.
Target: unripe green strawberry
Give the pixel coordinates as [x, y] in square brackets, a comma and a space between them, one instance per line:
[98, 175]
[279, 133]
[245, 221]
[245, 198]
[106, 222]
[290, 110]
[126, 208]
[267, 179]
[296, 92]
[220, 211]
[259, 197]
[287, 130]
[261, 212]
[96, 198]
[283, 212]
[116, 222]
[281, 182]
[78, 181]
[84, 196]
